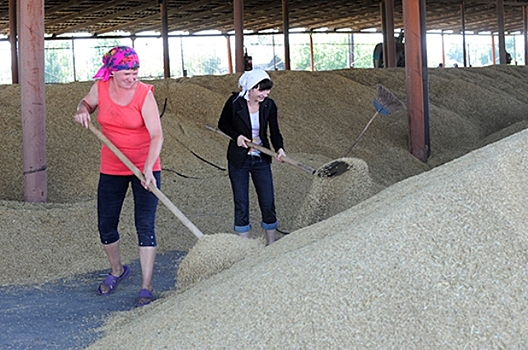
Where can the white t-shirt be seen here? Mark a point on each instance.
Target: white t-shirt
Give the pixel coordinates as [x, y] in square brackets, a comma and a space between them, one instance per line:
[255, 129]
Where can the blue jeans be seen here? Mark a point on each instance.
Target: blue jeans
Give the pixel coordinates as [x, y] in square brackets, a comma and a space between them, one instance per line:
[260, 171]
[110, 197]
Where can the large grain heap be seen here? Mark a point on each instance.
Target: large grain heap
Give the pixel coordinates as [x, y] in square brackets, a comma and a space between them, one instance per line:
[435, 261]
[412, 255]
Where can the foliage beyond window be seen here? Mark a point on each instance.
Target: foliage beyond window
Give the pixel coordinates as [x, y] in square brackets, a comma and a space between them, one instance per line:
[68, 60]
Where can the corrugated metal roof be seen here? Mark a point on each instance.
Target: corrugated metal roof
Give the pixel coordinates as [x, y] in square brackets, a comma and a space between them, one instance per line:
[101, 17]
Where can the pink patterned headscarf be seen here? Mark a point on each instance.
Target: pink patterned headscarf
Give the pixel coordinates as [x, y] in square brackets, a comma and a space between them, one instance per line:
[118, 58]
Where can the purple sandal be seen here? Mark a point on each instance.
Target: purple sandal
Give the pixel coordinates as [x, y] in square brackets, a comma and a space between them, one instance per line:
[112, 281]
[145, 297]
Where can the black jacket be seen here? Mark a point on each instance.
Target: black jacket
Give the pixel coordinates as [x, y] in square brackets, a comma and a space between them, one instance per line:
[235, 121]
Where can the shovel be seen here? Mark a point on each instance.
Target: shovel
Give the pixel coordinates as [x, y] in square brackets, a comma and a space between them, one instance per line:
[184, 220]
[334, 168]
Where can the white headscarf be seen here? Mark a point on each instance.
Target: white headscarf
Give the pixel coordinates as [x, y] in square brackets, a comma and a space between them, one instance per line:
[249, 79]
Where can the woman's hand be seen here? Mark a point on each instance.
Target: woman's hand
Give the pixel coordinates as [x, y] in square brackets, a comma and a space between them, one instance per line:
[242, 141]
[84, 108]
[279, 155]
[82, 117]
[149, 179]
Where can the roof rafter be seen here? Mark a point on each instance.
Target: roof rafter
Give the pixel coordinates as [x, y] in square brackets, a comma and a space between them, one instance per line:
[134, 16]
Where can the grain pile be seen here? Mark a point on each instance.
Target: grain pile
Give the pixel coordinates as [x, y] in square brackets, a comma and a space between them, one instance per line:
[334, 194]
[213, 254]
[437, 259]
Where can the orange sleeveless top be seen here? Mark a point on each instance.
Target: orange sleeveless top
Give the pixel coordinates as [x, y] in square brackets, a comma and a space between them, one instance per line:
[125, 128]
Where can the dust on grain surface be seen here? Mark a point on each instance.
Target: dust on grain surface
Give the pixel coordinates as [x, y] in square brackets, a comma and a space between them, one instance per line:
[427, 255]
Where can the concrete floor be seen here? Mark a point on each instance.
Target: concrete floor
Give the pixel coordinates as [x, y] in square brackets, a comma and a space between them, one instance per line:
[68, 314]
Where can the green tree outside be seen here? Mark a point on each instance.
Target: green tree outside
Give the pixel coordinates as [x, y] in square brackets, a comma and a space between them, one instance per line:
[58, 67]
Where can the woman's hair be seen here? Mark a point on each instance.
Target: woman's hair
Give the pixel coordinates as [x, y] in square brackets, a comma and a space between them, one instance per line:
[265, 84]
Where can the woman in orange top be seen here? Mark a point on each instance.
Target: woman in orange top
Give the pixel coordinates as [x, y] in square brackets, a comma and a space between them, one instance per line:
[129, 117]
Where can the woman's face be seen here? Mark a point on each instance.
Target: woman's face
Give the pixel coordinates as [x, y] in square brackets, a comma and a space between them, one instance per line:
[258, 95]
[125, 78]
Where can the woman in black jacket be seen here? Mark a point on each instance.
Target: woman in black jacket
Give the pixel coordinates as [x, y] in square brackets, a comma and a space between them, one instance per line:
[246, 117]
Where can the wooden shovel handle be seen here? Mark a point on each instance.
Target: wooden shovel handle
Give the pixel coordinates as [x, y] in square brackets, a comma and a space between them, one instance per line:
[185, 221]
[269, 152]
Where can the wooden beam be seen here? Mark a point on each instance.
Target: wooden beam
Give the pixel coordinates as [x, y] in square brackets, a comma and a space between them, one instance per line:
[165, 39]
[99, 17]
[90, 11]
[112, 16]
[384, 50]
[500, 26]
[493, 52]
[177, 20]
[286, 33]
[13, 34]
[425, 79]
[229, 55]
[389, 22]
[506, 3]
[463, 31]
[270, 18]
[312, 60]
[33, 100]
[414, 79]
[238, 16]
[525, 34]
[318, 17]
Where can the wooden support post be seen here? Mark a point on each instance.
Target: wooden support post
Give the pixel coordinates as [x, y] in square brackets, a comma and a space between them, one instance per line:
[165, 39]
[502, 38]
[463, 14]
[443, 50]
[33, 100]
[286, 31]
[352, 51]
[13, 41]
[389, 24]
[238, 12]
[384, 33]
[312, 60]
[229, 54]
[414, 79]
[425, 79]
[493, 53]
[525, 33]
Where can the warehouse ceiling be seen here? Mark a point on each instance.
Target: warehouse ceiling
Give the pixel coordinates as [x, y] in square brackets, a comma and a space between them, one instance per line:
[63, 17]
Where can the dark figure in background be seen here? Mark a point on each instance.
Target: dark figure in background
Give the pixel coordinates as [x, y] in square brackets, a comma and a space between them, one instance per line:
[246, 117]
[400, 53]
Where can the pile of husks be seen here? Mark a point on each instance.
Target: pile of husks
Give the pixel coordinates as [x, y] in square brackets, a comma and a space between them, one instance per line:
[399, 253]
